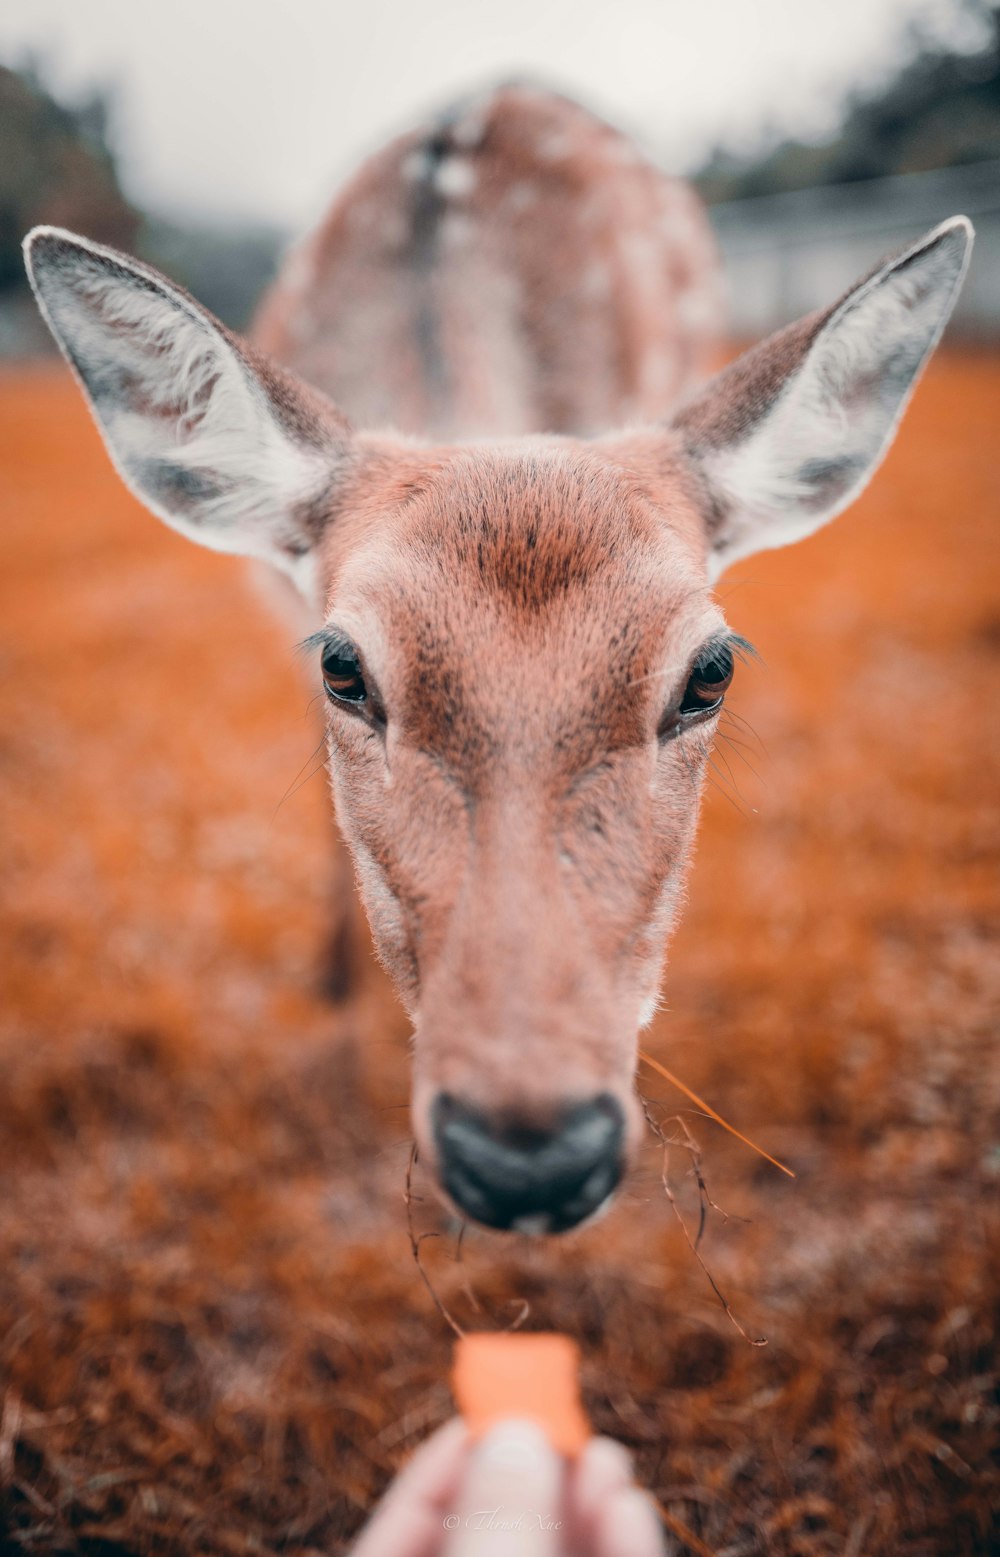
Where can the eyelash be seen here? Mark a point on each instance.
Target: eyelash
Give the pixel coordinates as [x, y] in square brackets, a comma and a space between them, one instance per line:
[719, 654]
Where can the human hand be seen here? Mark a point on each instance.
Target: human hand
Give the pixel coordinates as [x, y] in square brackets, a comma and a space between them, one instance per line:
[511, 1495]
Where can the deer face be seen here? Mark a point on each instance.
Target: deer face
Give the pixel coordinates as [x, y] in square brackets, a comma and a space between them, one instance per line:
[523, 663]
[524, 672]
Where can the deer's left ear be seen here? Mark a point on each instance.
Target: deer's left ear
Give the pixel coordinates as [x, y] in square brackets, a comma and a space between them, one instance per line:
[790, 433]
[220, 443]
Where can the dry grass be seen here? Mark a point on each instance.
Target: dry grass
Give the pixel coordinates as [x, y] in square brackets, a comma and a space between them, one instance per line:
[212, 1334]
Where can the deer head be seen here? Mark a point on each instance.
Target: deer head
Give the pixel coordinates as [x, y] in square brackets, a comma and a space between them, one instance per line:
[524, 665]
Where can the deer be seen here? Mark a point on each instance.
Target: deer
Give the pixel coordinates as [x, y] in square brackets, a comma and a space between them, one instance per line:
[471, 432]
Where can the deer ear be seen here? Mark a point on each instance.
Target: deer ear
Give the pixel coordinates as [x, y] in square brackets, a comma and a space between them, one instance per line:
[215, 440]
[790, 433]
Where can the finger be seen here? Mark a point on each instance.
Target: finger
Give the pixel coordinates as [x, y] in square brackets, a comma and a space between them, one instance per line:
[628, 1526]
[433, 1470]
[603, 1469]
[408, 1521]
[510, 1504]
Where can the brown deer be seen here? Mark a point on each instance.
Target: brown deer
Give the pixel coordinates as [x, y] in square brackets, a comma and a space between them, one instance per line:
[512, 601]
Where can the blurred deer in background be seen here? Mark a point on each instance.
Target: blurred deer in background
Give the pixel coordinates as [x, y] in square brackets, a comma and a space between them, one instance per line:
[512, 606]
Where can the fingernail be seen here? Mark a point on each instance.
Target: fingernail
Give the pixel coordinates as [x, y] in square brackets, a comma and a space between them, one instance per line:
[515, 1444]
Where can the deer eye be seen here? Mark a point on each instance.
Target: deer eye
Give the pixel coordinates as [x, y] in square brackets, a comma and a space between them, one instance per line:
[342, 674]
[709, 681]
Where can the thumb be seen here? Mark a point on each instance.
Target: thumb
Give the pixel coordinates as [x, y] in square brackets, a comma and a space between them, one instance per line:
[511, 1499]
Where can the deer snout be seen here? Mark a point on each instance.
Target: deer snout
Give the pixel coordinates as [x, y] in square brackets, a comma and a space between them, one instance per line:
[509, 1175]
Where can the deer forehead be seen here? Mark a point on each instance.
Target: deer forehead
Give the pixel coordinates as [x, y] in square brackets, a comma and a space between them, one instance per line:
[549, 544]
[512, 586]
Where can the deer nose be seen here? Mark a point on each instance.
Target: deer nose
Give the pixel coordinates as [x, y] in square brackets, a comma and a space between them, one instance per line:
[530, 1179]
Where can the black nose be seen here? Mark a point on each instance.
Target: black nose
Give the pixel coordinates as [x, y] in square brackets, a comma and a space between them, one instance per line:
[530, 1179]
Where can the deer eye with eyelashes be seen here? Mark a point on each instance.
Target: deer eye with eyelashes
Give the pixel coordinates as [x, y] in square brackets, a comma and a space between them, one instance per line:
[710, 679]
[708, 682]
[342, 674]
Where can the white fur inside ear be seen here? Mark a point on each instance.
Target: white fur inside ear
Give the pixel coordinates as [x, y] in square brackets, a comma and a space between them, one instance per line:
[817, 446]
[189, 426]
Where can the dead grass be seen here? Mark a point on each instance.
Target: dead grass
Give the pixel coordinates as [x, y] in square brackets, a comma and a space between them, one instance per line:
[212, 1334]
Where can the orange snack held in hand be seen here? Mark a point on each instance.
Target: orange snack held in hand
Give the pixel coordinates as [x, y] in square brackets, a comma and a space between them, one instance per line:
[534, 1375]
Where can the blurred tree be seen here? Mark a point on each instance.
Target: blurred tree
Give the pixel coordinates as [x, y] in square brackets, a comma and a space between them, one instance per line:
[942, 108]
[225, 266]
[55, 166]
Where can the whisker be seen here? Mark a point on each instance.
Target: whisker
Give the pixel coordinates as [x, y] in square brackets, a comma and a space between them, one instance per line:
[735, 747]
[734, 741]
[728, 777]
[720, 756]
[675, 670]
[734, 586]
[299, 781]
[691, 770]
[714, 784]
[735, 800]
[730, 713]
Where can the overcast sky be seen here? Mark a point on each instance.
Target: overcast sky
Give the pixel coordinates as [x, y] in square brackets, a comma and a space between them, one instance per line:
[256, 107]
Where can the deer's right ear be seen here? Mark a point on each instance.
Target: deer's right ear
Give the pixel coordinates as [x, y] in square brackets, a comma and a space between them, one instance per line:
[791, 432]
[221, 444]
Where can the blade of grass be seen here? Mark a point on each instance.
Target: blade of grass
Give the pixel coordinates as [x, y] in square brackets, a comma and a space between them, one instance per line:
[675, 1081]
[677, 1527]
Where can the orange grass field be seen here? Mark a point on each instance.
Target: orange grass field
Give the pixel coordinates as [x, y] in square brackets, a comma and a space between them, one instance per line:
[213, 1336]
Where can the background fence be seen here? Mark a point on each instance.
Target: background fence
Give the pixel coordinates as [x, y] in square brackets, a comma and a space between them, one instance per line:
[786, 254]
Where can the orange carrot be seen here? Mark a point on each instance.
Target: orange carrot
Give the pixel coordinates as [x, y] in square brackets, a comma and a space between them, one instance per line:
[534, 1375]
